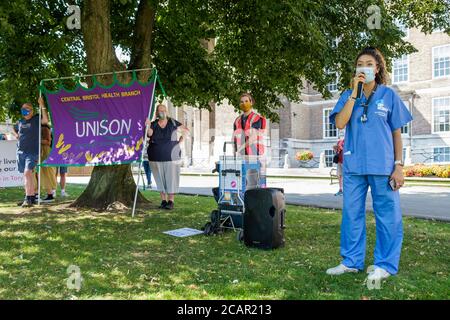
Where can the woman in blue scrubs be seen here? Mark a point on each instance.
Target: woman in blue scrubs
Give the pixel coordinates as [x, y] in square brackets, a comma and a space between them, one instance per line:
[372, 157]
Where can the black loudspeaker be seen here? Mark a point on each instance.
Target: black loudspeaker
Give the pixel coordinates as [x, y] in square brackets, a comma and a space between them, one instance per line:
[264, 218]
[216, 193]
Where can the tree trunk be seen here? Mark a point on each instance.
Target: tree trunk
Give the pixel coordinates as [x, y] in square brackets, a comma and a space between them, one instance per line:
[109, 184]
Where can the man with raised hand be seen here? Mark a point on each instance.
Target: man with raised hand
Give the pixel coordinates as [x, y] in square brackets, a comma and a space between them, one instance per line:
[28, 147]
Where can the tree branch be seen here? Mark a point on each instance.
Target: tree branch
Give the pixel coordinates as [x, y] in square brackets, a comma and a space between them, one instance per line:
[142, 42]
[96, 29]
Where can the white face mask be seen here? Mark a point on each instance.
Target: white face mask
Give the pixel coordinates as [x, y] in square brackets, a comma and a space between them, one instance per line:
[161, 115]
[368, 71]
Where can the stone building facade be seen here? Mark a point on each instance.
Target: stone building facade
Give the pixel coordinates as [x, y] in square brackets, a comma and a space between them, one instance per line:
[422, 80]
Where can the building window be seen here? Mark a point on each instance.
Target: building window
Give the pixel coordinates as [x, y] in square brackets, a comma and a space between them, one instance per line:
[329, 129]
[441, 114]
[329, 154]
[402, 28]
[441, 154]
[333, 85]
[441, 61]
[400, 69]
[405, 128]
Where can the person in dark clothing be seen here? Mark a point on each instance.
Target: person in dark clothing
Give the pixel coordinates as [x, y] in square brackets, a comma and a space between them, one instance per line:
[164, 154]
[28, 147]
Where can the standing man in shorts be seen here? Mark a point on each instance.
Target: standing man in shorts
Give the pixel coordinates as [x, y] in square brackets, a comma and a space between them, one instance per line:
[28, 147]
[62, 181]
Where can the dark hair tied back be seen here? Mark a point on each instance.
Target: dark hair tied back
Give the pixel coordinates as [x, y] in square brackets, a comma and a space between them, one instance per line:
[382, 76]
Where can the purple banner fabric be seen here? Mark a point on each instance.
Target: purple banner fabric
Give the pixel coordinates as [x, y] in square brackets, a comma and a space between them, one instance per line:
[99, 126]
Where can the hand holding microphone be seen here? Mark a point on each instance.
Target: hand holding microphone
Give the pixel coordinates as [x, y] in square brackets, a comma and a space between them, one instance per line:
[358, 82]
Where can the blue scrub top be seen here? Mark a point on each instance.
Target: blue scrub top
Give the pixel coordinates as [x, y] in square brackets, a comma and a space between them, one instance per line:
[369, 147]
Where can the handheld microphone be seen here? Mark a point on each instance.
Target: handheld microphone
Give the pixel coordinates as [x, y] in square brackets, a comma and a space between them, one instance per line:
[359, 92]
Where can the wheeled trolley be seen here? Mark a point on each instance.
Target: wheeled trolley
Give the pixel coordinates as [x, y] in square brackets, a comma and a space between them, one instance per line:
[236, 175]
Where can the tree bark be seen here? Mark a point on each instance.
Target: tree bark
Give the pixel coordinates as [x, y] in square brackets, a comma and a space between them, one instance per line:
[109, 184]
[141, 51]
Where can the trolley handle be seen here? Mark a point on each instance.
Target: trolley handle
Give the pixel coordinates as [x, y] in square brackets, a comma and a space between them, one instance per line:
[225, 146]
[225, 150]
[236, 172]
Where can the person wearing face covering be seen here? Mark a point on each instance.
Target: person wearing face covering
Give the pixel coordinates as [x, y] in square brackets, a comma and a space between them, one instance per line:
[372, 157]
[248, 133]
[28, 147]
[248, 129]
[164, 154]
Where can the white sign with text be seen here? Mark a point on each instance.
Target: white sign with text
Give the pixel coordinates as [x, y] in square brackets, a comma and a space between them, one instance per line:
[9, 174]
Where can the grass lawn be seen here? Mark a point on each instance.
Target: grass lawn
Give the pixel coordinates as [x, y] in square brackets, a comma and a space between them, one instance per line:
[124, 258]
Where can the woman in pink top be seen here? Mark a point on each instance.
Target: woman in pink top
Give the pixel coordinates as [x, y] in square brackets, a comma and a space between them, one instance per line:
[339, 149]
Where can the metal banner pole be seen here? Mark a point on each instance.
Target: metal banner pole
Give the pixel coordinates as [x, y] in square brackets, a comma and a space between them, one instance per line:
[143, 147]
[39, 155]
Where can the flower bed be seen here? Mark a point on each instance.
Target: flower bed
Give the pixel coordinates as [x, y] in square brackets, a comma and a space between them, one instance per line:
[304, 155]
[421, 170]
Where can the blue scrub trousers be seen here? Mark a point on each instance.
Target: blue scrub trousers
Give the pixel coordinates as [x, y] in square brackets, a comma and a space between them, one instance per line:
[388, 217]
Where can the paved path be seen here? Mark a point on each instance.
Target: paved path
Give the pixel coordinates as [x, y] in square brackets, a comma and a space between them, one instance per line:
[420, 201]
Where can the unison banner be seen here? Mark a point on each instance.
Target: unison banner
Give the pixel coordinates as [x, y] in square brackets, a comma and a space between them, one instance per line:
[103, 125]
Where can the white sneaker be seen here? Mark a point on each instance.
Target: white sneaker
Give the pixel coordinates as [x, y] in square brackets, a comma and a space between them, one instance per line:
[378, 274]
[340, 269]
[64, 194]
[370, 269]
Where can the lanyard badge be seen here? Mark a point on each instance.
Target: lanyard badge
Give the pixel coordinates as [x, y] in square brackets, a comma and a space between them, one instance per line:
[364, 117]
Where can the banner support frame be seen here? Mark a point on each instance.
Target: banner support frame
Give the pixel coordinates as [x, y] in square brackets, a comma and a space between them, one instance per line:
[39, 152]
[101, 74]
[143, 147]
[95, 74]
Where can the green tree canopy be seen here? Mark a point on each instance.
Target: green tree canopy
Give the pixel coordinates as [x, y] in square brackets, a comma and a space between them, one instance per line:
[266, 47]
[263, 46]
[34, 44]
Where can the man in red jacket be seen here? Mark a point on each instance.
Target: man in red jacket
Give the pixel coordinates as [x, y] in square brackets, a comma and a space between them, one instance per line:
[248, 129]
[248, 134]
